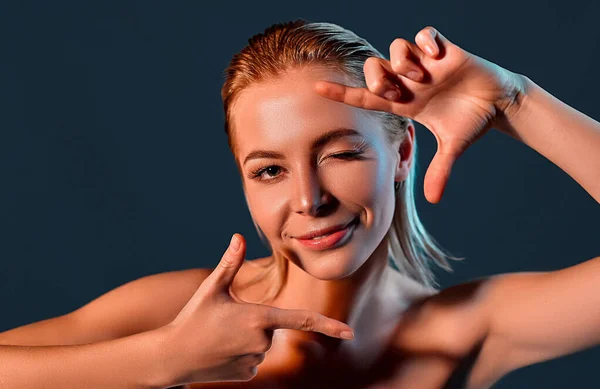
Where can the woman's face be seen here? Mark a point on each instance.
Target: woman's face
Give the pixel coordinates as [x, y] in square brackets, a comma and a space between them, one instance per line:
[295, 184]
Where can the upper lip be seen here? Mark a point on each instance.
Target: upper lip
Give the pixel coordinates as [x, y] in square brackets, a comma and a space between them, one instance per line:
[323, 231]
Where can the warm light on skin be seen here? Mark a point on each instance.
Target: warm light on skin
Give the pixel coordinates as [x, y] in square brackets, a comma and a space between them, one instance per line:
[308, 188]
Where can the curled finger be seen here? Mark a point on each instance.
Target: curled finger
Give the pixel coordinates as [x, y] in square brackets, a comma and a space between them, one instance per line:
[380, 79]
[432, 42]
[405, 59]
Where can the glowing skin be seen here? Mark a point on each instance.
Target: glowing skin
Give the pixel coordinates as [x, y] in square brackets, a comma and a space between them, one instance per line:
[309, 189]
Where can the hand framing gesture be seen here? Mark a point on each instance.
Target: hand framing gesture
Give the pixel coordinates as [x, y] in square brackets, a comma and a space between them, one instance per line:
[454, 94]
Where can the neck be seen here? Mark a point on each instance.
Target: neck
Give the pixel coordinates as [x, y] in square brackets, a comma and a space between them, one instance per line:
[351, 299]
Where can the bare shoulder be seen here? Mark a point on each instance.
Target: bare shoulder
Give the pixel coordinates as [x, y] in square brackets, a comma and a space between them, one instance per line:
[457, 323]
[143, 304]
[450, 320]
[447, 332]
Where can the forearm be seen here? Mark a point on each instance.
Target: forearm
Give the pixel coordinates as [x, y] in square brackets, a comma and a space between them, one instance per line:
[57, 331]
[130, 362]
[563, 135]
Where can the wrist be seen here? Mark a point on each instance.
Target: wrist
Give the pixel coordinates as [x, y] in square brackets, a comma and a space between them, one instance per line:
[164, 376]
[510, 107]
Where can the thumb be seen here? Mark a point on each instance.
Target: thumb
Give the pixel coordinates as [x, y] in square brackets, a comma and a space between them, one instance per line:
[438, 173]
[231, 262]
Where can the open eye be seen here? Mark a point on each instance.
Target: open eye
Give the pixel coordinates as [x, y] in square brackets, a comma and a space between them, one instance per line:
[257, 174]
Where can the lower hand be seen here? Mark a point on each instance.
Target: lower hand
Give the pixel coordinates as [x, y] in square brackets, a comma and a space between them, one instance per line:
[219, 337]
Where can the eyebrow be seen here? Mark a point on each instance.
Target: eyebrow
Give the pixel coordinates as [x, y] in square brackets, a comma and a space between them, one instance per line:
[317, 143]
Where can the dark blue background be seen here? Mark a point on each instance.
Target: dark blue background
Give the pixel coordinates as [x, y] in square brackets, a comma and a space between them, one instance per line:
[114, 164]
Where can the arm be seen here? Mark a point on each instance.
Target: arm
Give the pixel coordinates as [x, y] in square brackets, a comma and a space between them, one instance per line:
[534, 317]
[563, 135]
[132, 362]
[504, 322]
[540, 316]
[141, 305]
[537, 316]
[113, 341]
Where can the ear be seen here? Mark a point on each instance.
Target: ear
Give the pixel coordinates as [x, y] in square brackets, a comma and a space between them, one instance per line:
[405, 153]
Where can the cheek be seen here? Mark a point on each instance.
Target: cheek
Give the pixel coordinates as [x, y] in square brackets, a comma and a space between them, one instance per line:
[267, 209]
[370, 186]
[357, 182]
[364, 183]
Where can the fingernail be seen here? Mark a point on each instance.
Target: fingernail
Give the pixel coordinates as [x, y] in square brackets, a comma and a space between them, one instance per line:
[392, 95]
[234, 245]
[347, 335]
[429, 49]
[415, 76]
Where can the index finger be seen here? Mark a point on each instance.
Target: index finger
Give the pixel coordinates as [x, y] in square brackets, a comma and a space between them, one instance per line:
[298, 319]
[357, 97]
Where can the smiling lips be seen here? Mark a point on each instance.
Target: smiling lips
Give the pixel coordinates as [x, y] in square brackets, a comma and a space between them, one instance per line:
[324, 231]
[327, 237]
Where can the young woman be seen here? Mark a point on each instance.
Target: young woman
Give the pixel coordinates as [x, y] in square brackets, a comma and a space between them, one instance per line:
[319, 124]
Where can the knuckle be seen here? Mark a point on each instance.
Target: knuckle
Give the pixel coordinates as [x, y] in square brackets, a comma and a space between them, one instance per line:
[239, 373]
[371, 67]
[268, 316]
[250, 317]
[226, 261]
[398, 65]
[260, 346]
[371, 61]
[422, 37]
[247, 361]
[364, 100]
[430, 30]
[257, 322]
[253, 371]
[426, 34]
[308, 323]
[377, 85]
[265, 346]
[398, 44]
[261, 358]
[248, 373]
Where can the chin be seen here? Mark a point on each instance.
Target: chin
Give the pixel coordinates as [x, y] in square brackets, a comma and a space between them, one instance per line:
[329, 266]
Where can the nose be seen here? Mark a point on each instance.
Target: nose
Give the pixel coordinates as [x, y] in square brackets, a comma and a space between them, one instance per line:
[309, 196]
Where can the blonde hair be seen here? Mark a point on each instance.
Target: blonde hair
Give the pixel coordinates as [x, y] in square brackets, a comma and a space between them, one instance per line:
[299, 43]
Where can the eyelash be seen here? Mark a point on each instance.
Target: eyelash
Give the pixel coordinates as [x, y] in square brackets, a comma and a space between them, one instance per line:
[346, 155]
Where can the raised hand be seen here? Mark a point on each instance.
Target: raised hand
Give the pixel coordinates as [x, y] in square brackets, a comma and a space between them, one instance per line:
[218, 337]
[455, 94]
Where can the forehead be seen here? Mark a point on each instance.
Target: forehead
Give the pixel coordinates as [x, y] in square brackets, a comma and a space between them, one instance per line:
[287, 113]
